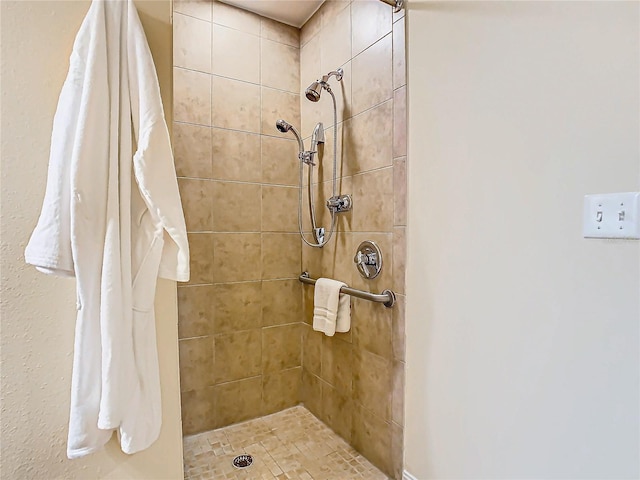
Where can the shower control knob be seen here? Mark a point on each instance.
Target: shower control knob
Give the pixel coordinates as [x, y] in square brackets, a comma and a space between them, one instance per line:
[368, 259]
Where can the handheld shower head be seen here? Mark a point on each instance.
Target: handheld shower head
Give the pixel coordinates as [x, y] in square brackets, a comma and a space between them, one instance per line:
[284, 127]
[314, 90]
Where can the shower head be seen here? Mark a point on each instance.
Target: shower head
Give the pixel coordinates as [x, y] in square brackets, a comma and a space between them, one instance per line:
[285, 127]
[314, 90]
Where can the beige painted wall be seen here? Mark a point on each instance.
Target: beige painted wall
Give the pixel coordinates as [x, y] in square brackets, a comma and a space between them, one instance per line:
[522, 337]
[38, 311]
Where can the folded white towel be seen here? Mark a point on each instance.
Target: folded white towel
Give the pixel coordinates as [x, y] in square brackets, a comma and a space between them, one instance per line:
[331, 309]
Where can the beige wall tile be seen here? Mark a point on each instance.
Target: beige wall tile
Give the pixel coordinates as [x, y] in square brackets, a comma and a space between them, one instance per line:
[196, 363]
[337, 258]
[372, 382]
[330, 9]
[280, 66]
[337, 410]
[238, 401]
[399, 55]
[346, 337]
[201, 258]
[326, 158]
[236, 18]
[307, 304]
[325, 173]
[399, 259]
[194, 8]
[311, 393]
[311, 349]
[371, 20]
[397, 451]
[397, 16]
[400, 122]
[372, 437]
[227, 62]
[281, 348]
[238, 306]
[310, 28]
[192, 150]
[196, 204]
[237, 355]
[336, 39]
[372, 76]
[191, 43]
[310, 70]
[191, 97]
[279, 209]
[277, 104]
[342, 90]
[312, 263]
[368, 139]
[195, 311]
[236, 257]
[280, 164]
[236, 105]
[398, 326]
[236, 207]
[280, 255]
[372, 329]
[279, 32]
[397, 397]
[236, 155]
[337, 364]
[281, 390]
[400, 191]
[281, 302]
[373, 201]
[198, 412]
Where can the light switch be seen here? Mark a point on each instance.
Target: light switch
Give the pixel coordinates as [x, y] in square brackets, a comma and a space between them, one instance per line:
[612, 215]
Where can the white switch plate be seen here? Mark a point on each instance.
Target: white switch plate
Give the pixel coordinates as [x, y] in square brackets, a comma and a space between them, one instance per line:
[612, 215]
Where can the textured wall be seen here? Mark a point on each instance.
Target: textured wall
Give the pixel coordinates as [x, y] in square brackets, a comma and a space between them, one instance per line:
[354, 382]
[522, 336]
[235, 74]
[38, 311]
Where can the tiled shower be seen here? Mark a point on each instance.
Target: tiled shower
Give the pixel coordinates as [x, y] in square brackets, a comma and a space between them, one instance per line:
[246, 345]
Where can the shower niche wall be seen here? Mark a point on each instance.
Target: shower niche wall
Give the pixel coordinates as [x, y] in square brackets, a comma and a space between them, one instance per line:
[246, 345]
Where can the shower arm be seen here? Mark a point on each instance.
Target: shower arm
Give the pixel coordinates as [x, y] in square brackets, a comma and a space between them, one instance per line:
[335, 73]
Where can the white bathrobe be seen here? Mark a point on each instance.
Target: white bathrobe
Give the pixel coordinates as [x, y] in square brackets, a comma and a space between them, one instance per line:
[112, 218]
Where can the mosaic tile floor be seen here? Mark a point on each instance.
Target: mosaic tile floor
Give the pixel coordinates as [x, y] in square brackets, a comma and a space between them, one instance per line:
[292, 444]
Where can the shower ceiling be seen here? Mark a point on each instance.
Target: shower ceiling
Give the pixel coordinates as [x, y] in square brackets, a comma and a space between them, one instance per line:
[291, 12]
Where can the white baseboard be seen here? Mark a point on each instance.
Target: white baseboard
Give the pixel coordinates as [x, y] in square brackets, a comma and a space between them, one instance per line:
[407, 476]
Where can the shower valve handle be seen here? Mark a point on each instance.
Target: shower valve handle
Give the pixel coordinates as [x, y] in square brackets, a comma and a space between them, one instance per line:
[364, 260]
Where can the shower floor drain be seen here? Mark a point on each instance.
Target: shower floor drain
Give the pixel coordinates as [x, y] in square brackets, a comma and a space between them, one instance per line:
[242, 461]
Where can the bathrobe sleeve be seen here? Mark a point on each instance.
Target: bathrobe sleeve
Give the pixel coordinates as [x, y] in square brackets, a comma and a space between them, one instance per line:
[153, 161]
[49, 248]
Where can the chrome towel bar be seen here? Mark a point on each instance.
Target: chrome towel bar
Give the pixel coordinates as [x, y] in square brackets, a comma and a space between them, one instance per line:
[387, 297]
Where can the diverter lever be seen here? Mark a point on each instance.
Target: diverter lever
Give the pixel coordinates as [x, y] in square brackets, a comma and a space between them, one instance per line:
[368, 259]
